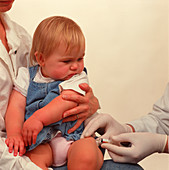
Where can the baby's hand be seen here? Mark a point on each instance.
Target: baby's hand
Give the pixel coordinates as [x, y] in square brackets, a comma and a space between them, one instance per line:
[31, 129]
[16, 143]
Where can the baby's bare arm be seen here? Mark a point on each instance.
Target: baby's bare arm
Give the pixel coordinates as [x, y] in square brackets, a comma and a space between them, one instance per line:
[47, 115]
[53, 112]
[14, 119]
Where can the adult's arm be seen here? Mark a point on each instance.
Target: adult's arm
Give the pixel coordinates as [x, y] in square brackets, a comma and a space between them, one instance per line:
[157, 121]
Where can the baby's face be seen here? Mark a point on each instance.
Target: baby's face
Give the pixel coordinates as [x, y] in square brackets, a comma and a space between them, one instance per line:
[61, 66]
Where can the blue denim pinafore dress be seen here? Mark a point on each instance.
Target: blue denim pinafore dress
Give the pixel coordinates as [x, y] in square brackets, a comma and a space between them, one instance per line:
[38, 96]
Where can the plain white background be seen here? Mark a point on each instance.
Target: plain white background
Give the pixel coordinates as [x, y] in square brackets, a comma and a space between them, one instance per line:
[126, 52]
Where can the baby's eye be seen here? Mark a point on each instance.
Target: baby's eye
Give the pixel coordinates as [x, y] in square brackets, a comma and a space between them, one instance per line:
[79, 59]
[67, 61]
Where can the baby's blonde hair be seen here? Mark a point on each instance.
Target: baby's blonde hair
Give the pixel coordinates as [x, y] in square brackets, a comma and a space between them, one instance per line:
[51, 32]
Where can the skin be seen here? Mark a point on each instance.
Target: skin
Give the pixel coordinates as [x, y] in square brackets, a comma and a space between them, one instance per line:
[61, 66]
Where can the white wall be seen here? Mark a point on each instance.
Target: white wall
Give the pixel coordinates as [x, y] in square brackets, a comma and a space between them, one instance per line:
[126, 55]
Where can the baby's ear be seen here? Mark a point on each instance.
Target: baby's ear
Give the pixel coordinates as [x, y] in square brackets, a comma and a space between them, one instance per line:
[39, 58]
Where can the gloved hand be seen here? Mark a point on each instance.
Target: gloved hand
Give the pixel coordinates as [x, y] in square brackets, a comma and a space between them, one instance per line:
[105, 125]
[142, 145]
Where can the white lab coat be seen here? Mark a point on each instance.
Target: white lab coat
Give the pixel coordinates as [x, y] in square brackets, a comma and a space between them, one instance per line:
[157, 121]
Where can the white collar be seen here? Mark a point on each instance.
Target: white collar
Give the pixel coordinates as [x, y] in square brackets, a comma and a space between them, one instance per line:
[11, 33]
[39, 78]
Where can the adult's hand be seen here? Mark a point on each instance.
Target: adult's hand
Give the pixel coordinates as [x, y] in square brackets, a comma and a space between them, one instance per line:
[143, 144]
[86, 106]
[106, 125]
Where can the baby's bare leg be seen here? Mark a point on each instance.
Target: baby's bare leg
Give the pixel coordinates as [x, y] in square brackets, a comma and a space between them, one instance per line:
[41, 156]
[84, 154]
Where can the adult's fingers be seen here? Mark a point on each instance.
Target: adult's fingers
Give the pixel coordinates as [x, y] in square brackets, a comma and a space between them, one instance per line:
[123, 139]
[75, 98]
[105, 136]
[85, 87]
[91, 128]
[75, 117]
[78, 123]
[119, 150]
[77, 110]
[117, 158]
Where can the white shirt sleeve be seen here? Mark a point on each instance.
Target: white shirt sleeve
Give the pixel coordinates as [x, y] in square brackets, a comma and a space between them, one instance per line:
[157, 121]
[73, 83]
[22, 81]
